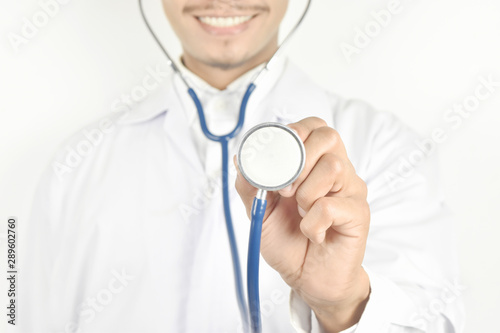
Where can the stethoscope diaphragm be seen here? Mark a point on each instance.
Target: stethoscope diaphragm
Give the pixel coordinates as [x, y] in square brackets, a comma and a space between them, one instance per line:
[271, 156]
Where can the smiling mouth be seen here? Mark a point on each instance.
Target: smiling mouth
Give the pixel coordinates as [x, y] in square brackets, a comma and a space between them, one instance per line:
[225, 25]
[224, 22]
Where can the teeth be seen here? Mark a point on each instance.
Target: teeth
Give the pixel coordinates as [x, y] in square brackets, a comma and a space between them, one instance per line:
[224, 21]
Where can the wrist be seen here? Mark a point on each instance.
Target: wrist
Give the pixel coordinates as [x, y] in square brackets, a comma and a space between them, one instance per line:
[338, 315]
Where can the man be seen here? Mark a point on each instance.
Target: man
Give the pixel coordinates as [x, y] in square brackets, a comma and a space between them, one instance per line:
[133, 238]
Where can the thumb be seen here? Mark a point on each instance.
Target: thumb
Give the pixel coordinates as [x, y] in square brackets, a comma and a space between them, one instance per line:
[246, 191]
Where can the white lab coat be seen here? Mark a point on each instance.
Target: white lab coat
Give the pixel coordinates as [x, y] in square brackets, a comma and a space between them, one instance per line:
[128, 234]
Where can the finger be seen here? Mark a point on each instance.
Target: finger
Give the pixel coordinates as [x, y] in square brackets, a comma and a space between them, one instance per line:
[346, 216]
[320, 141]
[330, 174]
[245, 190]
[304, 127]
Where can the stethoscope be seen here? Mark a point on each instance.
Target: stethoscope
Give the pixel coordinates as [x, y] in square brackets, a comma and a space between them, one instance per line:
[270, 157]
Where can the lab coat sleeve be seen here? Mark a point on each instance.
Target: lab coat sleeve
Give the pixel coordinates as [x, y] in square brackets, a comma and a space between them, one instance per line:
[43, 305]
[39, 248]
[410, 256]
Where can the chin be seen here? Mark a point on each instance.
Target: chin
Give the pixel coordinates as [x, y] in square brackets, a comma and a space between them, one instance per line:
[226, 62]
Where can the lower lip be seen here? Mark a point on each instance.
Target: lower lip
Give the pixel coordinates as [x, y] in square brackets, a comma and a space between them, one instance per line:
[221, 31]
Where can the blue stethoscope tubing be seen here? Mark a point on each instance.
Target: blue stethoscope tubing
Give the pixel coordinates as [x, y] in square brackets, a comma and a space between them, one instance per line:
[224, 141]
[258, 210]
[259, 203]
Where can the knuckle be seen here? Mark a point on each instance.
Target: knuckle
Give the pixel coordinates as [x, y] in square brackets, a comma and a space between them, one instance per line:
[364, 188]
[318, 121]
[361, 188]
[300, 128]
[365, 212]
[323, 207]
[332, 136]
[361, 211]
[333, 164]
[328, 135]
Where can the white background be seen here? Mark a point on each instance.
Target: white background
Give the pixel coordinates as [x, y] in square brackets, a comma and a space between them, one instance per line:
[429, 57]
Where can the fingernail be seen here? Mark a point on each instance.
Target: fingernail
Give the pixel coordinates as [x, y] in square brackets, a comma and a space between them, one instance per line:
[301, 211]
[288, 188]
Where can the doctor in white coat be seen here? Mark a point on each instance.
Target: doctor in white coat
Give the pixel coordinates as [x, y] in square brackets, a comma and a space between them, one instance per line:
[128, 234]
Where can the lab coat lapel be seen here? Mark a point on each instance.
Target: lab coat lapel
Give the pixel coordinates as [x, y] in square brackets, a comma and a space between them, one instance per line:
[178, 131]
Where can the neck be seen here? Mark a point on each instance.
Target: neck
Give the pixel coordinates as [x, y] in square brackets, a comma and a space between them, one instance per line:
[220, 76]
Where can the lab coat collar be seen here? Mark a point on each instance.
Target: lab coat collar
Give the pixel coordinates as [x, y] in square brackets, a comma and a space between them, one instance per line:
[238, 87]
[153, 105]
[161, 99]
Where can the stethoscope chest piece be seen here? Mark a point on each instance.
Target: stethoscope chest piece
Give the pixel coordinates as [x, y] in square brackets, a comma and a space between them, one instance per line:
[271, 156]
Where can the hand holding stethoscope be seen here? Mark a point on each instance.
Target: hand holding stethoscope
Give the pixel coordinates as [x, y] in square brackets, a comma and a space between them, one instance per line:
[314, 232]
